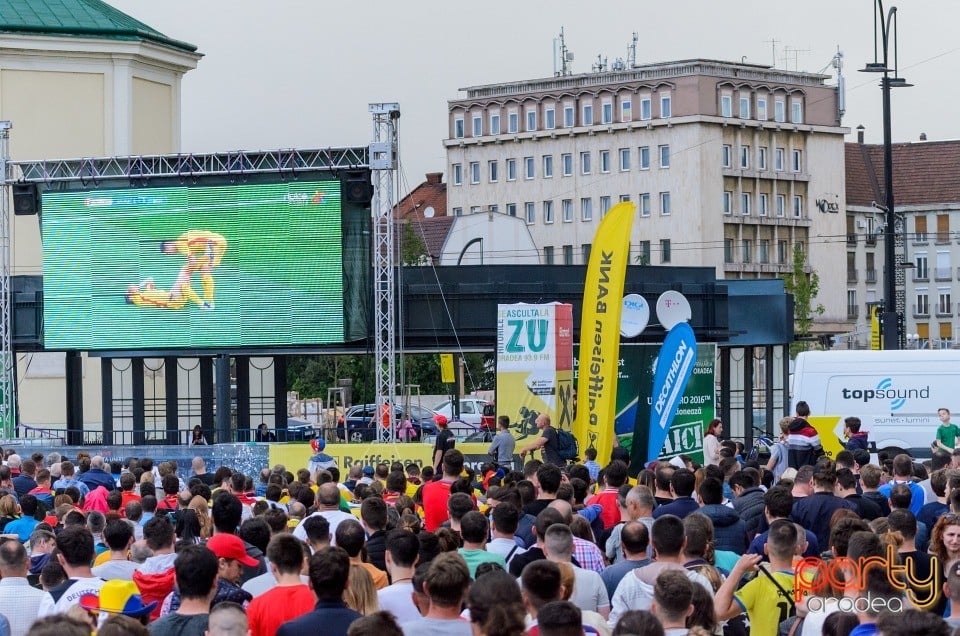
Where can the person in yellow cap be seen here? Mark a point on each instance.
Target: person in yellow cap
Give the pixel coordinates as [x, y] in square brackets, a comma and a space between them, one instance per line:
[118, 597]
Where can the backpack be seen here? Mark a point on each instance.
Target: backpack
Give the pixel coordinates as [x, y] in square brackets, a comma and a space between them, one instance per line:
[567, 446]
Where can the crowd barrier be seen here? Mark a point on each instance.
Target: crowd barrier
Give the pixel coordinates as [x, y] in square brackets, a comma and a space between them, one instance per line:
[346, 455]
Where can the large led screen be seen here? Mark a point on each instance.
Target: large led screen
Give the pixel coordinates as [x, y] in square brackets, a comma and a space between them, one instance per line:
[193, 267]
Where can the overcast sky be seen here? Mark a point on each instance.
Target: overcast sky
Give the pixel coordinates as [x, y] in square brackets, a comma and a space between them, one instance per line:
[300, 73]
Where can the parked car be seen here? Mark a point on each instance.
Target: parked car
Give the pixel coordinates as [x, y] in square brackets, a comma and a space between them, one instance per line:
[361, 422]
[488, 418]
[471, 410]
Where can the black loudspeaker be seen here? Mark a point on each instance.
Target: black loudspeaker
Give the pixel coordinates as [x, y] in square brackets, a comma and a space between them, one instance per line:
[26, 199]
[357, 188]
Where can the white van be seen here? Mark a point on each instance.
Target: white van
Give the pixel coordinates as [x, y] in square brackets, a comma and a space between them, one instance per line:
[895, 394]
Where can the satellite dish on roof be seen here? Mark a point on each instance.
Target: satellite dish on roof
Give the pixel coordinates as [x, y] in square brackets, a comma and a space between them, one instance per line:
[429, 212]
[672, 308]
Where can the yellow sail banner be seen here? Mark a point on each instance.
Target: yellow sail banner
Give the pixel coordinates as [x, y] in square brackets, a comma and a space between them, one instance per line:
[600, 332]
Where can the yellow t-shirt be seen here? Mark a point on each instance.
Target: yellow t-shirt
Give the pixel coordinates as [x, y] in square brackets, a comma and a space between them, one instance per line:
[102, 558]
[766, 606]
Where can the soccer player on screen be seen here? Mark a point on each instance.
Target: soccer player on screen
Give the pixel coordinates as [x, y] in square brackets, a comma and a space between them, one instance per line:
[204, 251]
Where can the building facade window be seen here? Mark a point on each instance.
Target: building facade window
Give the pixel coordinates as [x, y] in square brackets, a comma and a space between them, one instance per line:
[511, 169]
[762, 108]
[762, 158]
[567, 160]
[587, 115]
[747, 249]
[665, 203]
[797, 206]
[644, 255]
[548, 255]
[726, 105]
[548, 211]
[550, 119]
[665, 156]
[726, 156]
[568, 117]
[474, 172]
[458, 128]
[547, 166]
[477, 126]
[511, 209]
[764, 256]
[665, 250]
[493, 167]
[585, 253]
[779, 111]
[605, 202]
[728, 202]
[528, 168]
[494, 123]
[643, 153]
[606, 110]
[585, 162]
[781, 205]
[624, 159]
[626, 110]
[797, 160]
[586, 209]
[457, 170]
[727, 250]
[645, 109]
[745, 201]
[796, 112]
[744, 157]
[531, 120]
[644, 204]
[763, 204]
[920, 228]
[921, 271]
[567, 210]
[744, 108]
[781, 252]
[624, 198]
[604, 161]
[457, 211]
[568, 254]
[922, 306]
[513, 121]
[530, 212]
[666, 107]
[778, 159]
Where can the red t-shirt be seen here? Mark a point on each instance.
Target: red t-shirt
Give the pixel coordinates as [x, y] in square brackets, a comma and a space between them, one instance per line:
[611, 512]
[435, 496]
[270, 610]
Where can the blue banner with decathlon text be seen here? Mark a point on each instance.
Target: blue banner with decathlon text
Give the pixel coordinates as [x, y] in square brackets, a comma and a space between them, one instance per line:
[678, 354]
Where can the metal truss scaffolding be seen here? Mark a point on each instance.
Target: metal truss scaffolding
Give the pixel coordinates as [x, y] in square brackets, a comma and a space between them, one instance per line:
[90, 171]
[383, 164]
[7, 370]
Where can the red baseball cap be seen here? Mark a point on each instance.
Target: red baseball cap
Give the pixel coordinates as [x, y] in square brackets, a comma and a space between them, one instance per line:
[228, 546]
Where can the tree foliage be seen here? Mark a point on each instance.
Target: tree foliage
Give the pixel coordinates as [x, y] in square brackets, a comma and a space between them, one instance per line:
[804, 287]
[413, 251]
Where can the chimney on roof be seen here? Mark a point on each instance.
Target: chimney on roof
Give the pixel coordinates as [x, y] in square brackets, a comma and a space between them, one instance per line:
[923, 136]
[434, 178]
[860, 130]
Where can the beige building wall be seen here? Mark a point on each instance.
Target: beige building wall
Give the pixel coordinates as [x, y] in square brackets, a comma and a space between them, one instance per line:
[80, 97]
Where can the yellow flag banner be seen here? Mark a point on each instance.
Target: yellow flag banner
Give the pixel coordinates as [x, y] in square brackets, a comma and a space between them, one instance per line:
[600, 332]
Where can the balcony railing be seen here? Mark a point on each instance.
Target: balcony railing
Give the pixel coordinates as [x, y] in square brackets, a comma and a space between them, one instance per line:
[944, 310]
[871, 276]
[943, 238]
[921, 276]
[921, 311]
[942, 273]
[851, 275]
[853, 311]
[870, 239]
[851, 239]
[920, 238]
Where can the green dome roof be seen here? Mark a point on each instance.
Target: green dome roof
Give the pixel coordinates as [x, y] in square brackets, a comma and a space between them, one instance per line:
[79, 18]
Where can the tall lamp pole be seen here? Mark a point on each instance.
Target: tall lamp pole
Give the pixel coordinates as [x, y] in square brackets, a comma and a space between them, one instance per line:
[883, 24]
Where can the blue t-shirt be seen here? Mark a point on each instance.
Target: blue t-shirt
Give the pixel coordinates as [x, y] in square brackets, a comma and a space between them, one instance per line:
[917, 499]
[22, 527]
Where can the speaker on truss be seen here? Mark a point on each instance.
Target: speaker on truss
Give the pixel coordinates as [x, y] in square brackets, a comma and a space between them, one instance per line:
[357, 187]
[26, 199]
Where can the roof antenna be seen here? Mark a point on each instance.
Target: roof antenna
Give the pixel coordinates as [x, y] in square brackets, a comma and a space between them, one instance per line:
[562, 56]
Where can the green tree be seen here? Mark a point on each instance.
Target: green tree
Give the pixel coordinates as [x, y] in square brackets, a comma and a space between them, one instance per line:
[413, 251]
[804, 288]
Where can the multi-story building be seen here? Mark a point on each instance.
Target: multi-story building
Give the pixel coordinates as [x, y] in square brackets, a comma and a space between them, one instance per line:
[730, 165]
[926, 181]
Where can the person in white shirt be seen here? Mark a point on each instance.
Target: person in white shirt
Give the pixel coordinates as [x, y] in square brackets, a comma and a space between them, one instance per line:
[118, 535]
[328, 507]
[75, 554]
[589, 592]
[20, 601]
[401, 556]
[506, 519]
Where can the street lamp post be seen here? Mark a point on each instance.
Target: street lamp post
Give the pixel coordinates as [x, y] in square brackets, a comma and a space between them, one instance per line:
[882, 24]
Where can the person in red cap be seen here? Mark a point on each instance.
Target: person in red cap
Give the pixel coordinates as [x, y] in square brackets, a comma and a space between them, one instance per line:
[231, 556]
[445, 441]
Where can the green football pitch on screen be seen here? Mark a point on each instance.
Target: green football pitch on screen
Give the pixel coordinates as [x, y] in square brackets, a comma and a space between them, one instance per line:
[193, 267]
